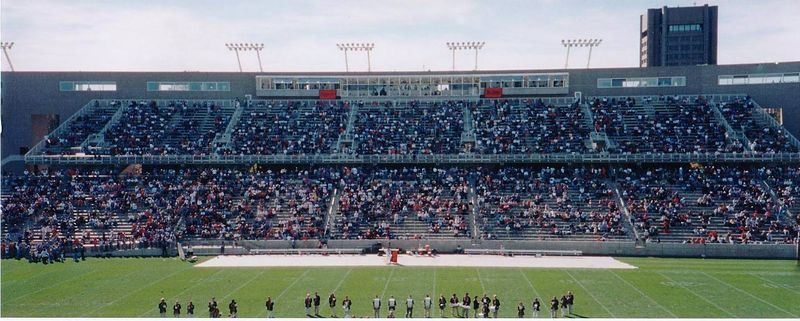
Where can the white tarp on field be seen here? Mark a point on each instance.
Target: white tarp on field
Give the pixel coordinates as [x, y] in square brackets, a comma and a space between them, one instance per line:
[572, 262]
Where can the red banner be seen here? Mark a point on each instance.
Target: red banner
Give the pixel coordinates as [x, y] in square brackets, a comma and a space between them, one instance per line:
[493, 93]
[327, 94]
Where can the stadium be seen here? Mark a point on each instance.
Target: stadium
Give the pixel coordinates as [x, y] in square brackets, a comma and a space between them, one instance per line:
[647, 192]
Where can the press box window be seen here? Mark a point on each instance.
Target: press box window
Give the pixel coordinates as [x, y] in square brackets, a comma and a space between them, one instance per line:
[87, 86]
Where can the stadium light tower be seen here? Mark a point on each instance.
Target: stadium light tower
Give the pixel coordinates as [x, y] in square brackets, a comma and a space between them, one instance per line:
[236, 47]
[591, 43]
[453, 46]
[6, 47]
[345, 47]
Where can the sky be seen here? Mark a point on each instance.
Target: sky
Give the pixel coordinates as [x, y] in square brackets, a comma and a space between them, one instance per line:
[301, 35]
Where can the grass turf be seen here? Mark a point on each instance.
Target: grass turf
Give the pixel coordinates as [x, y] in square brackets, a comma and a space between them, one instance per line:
[658, 288]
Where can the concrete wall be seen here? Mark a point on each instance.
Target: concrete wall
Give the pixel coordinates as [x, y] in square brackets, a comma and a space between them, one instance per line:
[27, 93]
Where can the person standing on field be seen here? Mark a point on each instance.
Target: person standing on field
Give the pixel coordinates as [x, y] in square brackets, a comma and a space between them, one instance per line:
[454, 311]
[553, 307]
[346, 304]
[332, 305]
[520, 310]
[162, 308]
[563, 305]
[570, 301]
[376, 306]
[212, 305]
[308, 302]
[496, 306]
[190, 309]
[409, 307]
[270, 306]
[427, 304]
[392, 306]
[466, 301]
[476, 304]
[317, 302]
[233, 308]
[535, 307]
[442, 305]
[176, 309]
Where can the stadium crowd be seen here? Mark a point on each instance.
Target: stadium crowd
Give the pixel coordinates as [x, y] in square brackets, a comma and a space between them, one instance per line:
[710, 204]
[105, 208]
[504, 127]
[378, 202]
[547, 202]
[414, 128]
[294, 127]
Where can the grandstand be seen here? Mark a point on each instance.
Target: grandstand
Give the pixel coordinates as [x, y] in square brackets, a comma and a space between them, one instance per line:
[528, 159]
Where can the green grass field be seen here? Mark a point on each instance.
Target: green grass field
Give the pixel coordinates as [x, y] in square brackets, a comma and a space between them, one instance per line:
[659, 288]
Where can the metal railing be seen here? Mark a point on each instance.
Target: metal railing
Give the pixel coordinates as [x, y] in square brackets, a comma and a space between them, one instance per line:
[418, 159]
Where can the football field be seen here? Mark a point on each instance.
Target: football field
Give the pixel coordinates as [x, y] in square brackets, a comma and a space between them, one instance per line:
[131, 287]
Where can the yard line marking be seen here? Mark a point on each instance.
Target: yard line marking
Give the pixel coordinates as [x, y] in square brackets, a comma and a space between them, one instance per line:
[699, 296]
[342, 280]
[434, 283]
[385, 287]
[590, 294]
[530, 283]
[644, 294]
[263, 311]
[184, 291]
[243, 285]
[15, 299]
[748, 293]
[781, 286]
[480, 279]
[132, 292]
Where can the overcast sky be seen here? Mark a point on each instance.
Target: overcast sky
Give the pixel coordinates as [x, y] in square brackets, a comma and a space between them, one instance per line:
[111, 35]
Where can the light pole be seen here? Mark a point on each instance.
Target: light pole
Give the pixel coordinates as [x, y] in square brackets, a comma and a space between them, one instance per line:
[591, 43]
[257, 48]
[345, 47]
[236, 47]
[453, 46]
[6, 47]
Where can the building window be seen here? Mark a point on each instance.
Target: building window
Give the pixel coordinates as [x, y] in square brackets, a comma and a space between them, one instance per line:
[188, 86]
[758, 79]
[685, 27]
[641, 82]
[87, 86]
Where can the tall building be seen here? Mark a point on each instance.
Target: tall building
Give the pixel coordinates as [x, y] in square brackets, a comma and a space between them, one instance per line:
[678, 36]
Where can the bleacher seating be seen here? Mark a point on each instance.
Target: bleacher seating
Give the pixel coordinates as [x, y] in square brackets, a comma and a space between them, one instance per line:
[413, 128]
[548, 203]
[296, 127]
[506, 128]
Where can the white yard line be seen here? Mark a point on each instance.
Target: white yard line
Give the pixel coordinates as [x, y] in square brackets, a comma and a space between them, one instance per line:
[386, 286]
[591, 295]
[342, 280]
[277, 298]
[480, 279]
[182, 292]
[699, 296]
[748, 293]
[243, 285]
[780, 285]
[15, 299]
[434, 284]
[531, 284]
[644, 294]
[129, 293]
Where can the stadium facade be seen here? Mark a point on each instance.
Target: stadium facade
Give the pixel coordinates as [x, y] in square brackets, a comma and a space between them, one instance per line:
[35, 102]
